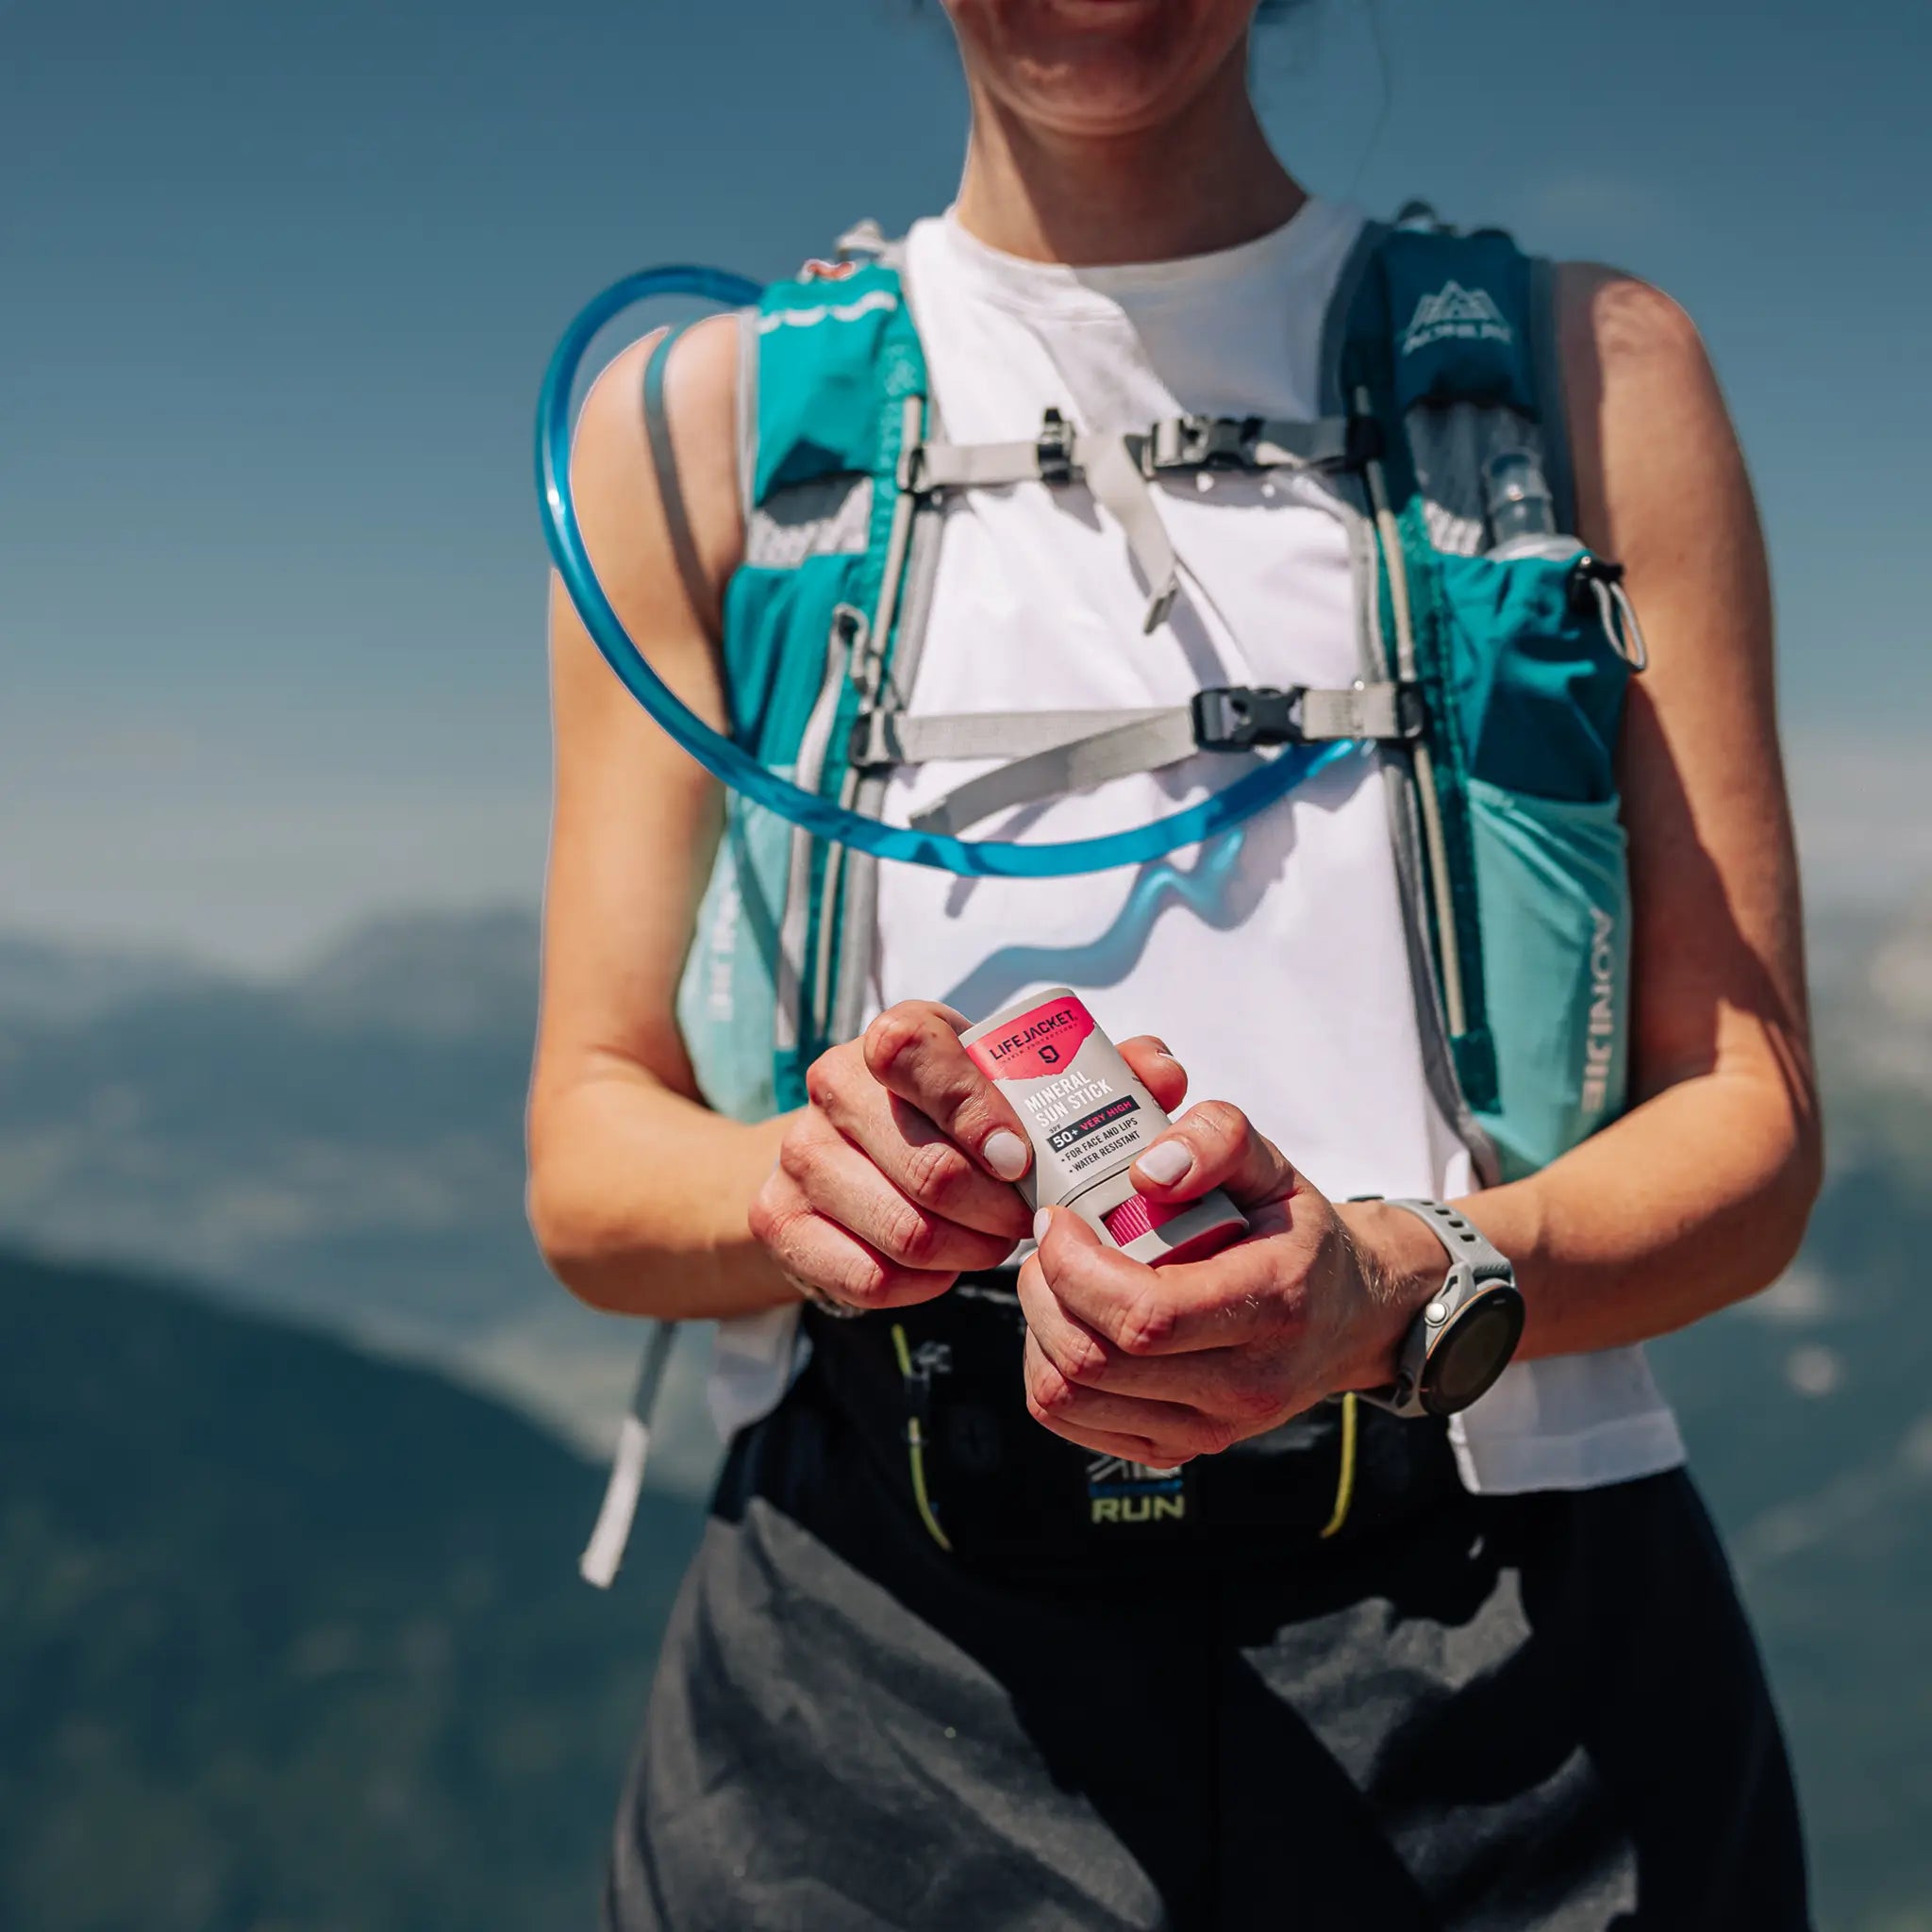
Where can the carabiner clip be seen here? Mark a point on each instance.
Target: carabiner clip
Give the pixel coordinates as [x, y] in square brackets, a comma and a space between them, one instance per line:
[1604, 580]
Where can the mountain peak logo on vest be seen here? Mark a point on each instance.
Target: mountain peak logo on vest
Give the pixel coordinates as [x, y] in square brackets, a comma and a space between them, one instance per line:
[1453, 313]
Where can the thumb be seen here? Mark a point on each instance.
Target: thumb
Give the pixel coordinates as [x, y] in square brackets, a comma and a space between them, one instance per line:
[1065, 1231]
[1215, 1145]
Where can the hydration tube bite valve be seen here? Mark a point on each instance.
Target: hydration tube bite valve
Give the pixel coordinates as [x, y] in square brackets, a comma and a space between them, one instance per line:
[826, 818]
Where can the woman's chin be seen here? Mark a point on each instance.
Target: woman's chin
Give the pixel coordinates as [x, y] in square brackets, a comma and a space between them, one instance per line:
[1099, 67]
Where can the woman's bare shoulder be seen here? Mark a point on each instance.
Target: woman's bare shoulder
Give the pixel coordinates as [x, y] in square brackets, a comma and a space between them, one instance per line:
[1648, 423]
[614, 476]
[1621, 313]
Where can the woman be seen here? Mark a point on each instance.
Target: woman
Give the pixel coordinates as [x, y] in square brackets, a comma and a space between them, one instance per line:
[1397, 1673]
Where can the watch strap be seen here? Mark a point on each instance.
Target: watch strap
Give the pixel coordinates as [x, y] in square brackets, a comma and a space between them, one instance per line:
[1460, 1237]
[1474, 1260]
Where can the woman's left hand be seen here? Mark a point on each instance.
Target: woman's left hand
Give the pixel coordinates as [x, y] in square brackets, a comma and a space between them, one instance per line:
[1159, 1366]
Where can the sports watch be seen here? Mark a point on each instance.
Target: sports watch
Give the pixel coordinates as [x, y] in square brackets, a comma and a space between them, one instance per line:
[1463, 1339]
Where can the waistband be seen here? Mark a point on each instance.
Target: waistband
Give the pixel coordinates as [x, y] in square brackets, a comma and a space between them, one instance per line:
[924, 1412]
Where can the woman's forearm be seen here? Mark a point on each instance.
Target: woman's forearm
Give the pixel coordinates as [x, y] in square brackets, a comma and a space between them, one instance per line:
[638, 1198]
[1695, 1199]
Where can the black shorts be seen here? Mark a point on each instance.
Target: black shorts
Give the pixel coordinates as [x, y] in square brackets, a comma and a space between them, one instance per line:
[1449, 1711]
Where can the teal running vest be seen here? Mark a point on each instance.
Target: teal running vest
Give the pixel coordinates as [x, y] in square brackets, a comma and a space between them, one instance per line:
[1493, 672]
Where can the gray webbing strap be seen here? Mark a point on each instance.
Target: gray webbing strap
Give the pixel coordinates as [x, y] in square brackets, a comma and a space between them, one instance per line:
[604, 1553]
[1145, 744]
[1121, 489]
[1236, 443]
[1109, 469]
[684, 549]
[1182, 442]
[1117, 469]
[972, 465]
[891, 737]
[1110, 745]
[1371, 712]
[864, 240]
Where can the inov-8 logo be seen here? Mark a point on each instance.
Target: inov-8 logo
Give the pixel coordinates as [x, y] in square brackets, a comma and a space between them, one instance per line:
[1600, 1040]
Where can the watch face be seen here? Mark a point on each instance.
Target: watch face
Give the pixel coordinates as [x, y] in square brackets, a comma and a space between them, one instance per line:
[1475, 1350]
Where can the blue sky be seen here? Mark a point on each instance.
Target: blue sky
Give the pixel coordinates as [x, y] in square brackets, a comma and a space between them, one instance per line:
[277, 284]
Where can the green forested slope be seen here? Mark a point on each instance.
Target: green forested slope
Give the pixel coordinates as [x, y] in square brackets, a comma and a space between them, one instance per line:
[290, 1639]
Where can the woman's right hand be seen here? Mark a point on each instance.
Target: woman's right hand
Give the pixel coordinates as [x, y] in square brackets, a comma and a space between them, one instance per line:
[899, 1176]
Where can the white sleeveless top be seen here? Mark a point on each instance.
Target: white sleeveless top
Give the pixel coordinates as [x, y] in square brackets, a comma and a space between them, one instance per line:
[1273, 961]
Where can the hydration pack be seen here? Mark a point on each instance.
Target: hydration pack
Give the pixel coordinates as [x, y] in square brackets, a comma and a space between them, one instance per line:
[1493, 670]
[1494, 650]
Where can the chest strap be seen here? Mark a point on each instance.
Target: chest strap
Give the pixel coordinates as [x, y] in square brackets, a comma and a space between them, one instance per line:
[1061, 453]
[1118, 470]
[1053, 753]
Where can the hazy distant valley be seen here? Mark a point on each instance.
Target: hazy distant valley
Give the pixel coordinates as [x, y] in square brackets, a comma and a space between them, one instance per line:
[340, 1149]
[345, 1146]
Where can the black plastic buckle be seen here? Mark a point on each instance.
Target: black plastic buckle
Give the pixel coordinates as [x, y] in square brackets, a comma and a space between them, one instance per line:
[1235, 717]
[1056, 448]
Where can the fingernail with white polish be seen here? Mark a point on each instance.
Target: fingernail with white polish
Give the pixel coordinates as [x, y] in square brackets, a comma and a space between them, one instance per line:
[1005, 1154]
[1042, 1222]
[1165, 1164]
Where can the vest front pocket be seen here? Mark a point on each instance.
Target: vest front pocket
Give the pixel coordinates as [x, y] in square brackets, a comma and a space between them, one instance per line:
[1533, 679]
[1552, 896]
[1536, 681]
[727, 994]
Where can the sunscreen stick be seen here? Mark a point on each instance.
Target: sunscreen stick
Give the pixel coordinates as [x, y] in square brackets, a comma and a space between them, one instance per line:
[1089, 1119]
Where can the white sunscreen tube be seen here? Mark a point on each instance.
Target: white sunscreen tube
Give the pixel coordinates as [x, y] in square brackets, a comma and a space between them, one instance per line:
[1089, 1119]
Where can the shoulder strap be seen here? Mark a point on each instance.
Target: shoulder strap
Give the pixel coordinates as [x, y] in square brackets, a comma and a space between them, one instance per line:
[1435, 320]
[684, 549]
[834, 379]
[1453, 319]
[1552, 402]
[1428, 317]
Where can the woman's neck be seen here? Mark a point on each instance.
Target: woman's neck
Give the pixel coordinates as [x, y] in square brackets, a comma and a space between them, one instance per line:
[1205, 179]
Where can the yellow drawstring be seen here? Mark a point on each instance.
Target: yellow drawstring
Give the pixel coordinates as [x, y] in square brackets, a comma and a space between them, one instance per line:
[915, 1446]
[1344, 1483]
[915, 1451]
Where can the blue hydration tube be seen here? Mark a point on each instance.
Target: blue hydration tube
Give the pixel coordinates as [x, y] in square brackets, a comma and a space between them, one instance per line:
[737, 768]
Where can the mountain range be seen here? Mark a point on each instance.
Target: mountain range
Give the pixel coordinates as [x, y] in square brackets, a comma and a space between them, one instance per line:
[339, 1150]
